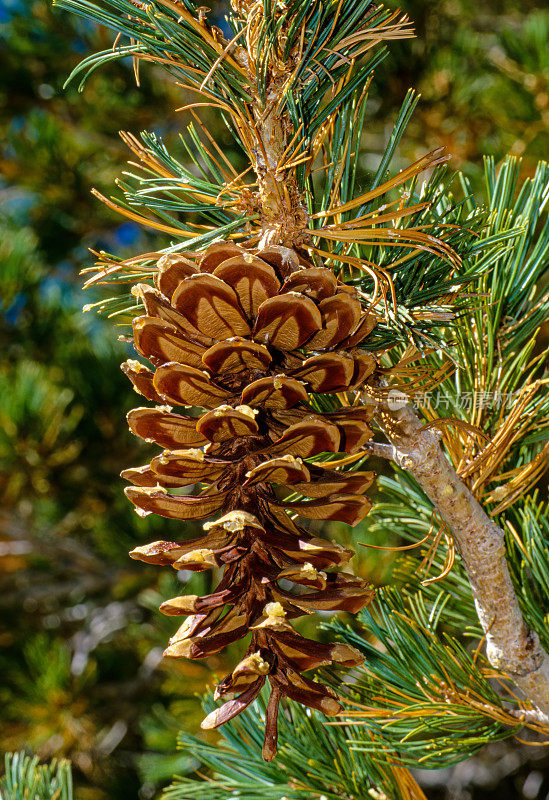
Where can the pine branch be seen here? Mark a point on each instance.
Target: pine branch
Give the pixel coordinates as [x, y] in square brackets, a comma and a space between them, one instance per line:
[496, 436]
[499, 385]
[292, 87]
[511, 645]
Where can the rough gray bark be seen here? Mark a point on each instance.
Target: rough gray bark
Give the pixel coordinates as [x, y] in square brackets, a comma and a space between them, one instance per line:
[510, 644]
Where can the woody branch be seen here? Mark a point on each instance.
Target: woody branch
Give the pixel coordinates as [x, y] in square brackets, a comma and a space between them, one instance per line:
[511, 645]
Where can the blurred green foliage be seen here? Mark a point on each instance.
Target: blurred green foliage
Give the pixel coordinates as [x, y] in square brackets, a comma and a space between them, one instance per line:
[483, 73]
[81, 639]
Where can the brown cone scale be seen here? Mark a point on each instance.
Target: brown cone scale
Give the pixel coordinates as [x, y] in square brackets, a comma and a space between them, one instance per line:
[246, 338]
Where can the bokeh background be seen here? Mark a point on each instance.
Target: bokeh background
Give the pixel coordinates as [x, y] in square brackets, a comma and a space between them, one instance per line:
[80, 637]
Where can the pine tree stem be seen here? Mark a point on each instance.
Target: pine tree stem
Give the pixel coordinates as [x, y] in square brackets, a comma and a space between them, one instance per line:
[283, 215]
[510, 644]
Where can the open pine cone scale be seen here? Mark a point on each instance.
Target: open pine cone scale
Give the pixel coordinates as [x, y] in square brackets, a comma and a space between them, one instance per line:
[248, 337]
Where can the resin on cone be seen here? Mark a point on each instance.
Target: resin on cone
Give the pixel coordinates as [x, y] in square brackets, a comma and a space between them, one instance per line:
[247, 338]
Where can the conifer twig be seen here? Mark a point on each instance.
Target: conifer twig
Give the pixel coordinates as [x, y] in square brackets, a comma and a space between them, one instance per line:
[511, 645]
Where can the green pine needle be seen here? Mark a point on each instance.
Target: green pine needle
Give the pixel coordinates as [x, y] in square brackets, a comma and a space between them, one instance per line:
[26, 779]
[421, 694]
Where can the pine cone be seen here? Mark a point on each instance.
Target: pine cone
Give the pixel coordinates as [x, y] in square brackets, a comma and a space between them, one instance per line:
[246, 337]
